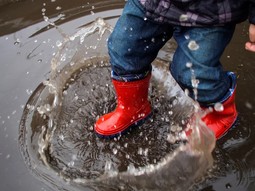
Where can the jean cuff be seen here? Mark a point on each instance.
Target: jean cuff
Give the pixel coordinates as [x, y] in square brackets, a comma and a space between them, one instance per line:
[232, 88]
[129, 77]
[230, 91]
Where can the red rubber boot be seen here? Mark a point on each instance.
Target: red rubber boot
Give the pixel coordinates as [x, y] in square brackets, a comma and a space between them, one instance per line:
[132, 108]
[221, 121]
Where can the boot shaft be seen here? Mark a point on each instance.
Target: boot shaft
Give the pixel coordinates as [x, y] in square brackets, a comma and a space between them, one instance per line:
[220, 121]
[229, 105]
[132, 108]
[132, 93]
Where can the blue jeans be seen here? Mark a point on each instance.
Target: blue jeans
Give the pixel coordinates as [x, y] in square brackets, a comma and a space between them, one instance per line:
[136, 41]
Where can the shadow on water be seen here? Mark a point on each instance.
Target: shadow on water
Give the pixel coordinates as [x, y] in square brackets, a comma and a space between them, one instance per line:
[58, 143]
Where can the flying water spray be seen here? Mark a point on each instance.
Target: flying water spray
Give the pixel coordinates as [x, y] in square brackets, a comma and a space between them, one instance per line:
[56, 130]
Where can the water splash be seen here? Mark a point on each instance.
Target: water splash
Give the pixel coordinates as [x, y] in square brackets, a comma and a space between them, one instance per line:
[193, 45]
[57, 138]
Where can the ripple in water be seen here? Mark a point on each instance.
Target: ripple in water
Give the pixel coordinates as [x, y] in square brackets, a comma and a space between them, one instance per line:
[60, 147]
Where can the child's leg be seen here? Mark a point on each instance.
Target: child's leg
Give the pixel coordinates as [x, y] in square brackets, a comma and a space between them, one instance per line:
[201, 48]
[135, 43]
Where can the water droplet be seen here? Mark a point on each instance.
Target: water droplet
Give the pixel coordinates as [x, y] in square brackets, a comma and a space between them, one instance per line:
[228, 186]
[171, 138]
[218, 107]
[140, 151]
[61, 16]
[63, 58]
[188, 64]
[186, 36]
[46, 19]
[175, 102]
[29, 92]
[186, 91]
[17, 41]
[71, 163]
[248, 105]
[183, 18]
[193, 45]
[43, 10]
[131, 168]
[114, 150]
[61, 137]
[145, 19]
[91, 128]
[174, 128]
[108, 166]
[58, 43]
[74, 157]
[58, 8]
[146, 152]
[194, 83]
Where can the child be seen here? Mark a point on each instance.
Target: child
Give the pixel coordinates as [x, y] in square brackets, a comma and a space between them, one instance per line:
[202, 30]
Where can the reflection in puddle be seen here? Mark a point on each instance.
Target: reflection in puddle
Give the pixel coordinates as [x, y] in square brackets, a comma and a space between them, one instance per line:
[57, 138]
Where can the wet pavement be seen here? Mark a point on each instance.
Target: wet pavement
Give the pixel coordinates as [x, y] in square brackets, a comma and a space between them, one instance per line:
[27, 45]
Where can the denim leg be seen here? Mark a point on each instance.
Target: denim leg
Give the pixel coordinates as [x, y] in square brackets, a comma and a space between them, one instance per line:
[135, 42]
[202, 48]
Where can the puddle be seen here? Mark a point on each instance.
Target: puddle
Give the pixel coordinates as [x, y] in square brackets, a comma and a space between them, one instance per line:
[57, 136]
[58, 144]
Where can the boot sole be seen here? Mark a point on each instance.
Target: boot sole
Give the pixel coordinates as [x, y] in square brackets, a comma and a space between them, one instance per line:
[129, 128]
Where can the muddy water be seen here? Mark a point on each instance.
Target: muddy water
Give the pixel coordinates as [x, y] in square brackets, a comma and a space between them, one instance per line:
[27, 48]
[56, 130]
